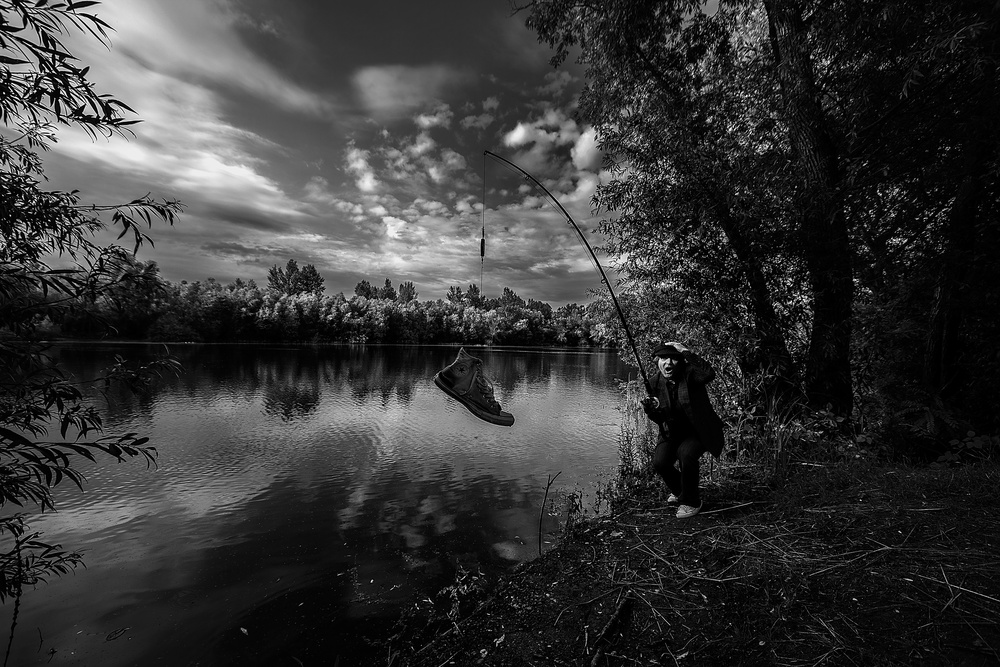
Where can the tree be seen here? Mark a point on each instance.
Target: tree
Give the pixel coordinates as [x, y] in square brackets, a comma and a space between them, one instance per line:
[310, 281]
[455, 294]
[407, 292]
[366, 290]
[474, 296]
[292, 280]
[51, 259]
[784, 163]
[510, 298]
[388, 292]
[686, 133]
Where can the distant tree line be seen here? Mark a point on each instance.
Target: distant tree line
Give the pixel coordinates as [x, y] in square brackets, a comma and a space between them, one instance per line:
[292, 307]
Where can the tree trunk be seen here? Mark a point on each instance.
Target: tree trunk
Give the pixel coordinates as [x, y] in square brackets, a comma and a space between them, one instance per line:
[962, 237]
[823, 225]
[947, 312]
[770, 353]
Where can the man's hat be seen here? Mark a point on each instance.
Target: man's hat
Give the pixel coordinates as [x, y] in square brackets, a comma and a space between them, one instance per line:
[667, 350]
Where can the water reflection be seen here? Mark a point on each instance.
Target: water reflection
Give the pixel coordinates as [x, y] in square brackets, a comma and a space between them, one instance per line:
[303, 497]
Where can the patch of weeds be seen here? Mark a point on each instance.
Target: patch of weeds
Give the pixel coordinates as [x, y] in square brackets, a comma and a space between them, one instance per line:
[973, 448]
[430, 619]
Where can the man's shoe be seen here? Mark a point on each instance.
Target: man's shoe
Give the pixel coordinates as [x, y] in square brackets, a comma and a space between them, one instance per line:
[464, 381]
[687, 511]
[672, 499]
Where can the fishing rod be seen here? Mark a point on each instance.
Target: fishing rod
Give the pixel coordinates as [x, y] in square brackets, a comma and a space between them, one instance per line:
[570, 220]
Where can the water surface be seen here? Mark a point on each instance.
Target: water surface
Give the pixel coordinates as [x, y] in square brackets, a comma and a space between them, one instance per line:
[303, 497]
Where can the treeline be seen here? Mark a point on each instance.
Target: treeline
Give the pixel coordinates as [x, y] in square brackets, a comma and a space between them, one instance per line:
[139, 304]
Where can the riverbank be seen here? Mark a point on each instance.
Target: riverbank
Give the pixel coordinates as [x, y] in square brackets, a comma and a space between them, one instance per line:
[841, 564]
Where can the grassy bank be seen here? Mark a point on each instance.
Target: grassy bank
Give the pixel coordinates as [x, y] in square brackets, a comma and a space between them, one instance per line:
[792, 562]
[852, 564]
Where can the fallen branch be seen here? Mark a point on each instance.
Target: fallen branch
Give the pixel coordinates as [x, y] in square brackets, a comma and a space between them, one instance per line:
[623, 604]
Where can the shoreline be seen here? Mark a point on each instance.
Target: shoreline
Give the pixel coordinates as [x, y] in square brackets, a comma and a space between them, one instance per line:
[865, 564]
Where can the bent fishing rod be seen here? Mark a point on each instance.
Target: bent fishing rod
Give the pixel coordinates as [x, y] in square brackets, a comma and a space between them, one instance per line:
[593, 255]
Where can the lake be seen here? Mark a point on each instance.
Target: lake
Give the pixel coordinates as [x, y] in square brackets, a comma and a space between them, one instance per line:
[303, 497]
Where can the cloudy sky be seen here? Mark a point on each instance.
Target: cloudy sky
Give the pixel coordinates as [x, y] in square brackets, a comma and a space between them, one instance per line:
[349, 135]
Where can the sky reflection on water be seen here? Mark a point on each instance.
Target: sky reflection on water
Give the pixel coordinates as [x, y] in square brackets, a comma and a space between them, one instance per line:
[304, 496]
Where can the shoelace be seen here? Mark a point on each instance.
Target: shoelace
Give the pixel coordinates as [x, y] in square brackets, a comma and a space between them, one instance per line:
[485, 387]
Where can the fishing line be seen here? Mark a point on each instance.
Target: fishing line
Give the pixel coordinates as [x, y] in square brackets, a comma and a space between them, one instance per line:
[482, 241]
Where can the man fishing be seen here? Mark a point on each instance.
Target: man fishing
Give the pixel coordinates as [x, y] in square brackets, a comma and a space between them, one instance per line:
[680, 406]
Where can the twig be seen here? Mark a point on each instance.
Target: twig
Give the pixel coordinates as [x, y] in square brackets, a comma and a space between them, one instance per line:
[966, 590]
[450, 658]
[579, 604]
[848, 562]
[924, 509]
[726, 509]
[623, 604]
[541, 511]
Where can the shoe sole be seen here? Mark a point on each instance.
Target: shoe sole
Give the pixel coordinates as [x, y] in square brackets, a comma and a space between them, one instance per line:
[502, 419]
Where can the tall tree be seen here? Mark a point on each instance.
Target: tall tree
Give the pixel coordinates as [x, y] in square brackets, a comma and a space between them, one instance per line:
[473, 296]
[407, 292]
[821, 220]
[388, 292]
[366, 289]
[310, 281]
[292, 280]
[812, 148]
[676, 101]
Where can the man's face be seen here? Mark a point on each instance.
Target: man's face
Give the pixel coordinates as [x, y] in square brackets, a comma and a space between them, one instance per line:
[670, 366]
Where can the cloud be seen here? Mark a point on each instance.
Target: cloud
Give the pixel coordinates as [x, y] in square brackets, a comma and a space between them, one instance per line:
[440, 117]
[267, 170]
[356, 164]
[415, 163]
[393, 226]
[395, 91]
[486, 118]
[557, 83]
[422, 145]
[195, 41]
[544, 141]
[482, 121]
[585, 153]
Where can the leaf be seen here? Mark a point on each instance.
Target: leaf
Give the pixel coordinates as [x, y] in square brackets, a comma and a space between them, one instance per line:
[15, 438]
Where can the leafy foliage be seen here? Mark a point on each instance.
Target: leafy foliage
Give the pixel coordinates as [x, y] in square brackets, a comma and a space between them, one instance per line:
[240, 311]
[292, 280]
[813, 187]
[51, 264]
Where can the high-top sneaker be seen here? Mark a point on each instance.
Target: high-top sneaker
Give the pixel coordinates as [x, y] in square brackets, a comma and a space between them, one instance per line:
[464, 380]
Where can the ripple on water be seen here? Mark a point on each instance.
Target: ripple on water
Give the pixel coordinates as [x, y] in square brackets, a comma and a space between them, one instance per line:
[279, 471]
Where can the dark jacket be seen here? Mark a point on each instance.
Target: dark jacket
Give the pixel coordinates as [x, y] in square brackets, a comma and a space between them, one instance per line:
[694, 401]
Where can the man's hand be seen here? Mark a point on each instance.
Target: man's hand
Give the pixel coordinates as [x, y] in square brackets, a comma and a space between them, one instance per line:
[680, 347]
[650, 404]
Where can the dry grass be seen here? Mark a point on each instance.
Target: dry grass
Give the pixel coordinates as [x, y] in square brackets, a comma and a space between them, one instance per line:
[792, 562]
[853, 564]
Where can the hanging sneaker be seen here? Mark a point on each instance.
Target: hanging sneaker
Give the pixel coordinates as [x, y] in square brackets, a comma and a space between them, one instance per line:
[464, 381]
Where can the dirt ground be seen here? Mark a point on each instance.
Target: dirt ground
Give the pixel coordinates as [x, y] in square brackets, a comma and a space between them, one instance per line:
[840, 565]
